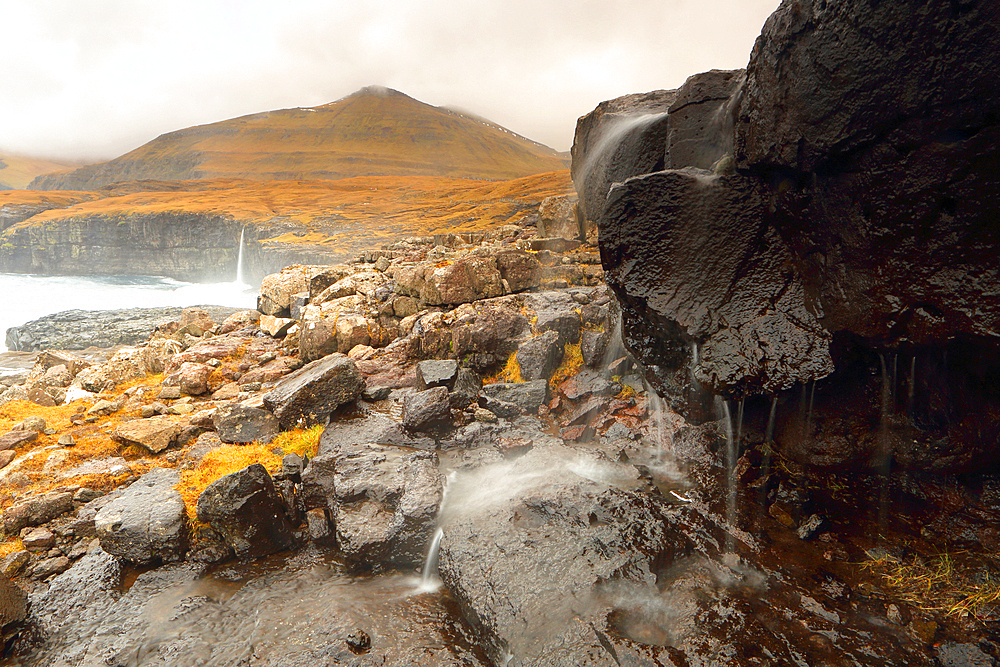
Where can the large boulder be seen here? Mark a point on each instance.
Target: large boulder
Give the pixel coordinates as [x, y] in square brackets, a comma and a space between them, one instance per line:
[426, 409]
[538, 357]
[463, 281]
[536, 553]
[387, 500]
[147, 522]
[843, 232]
[247, 511]
[557, 218]
[310, 394]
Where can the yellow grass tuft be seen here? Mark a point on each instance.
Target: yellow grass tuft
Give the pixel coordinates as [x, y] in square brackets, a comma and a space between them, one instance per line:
[10, 546]
[511, 372]
[940, 584]
[571, 362]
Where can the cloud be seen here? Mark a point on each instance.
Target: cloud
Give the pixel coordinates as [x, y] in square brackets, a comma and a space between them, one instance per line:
[96, 79]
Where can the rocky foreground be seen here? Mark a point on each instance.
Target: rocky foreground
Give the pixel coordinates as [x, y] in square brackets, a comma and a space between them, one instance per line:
[203, 496]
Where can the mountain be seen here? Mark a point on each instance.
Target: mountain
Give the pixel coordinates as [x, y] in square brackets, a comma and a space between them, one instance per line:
[373, 132]
[16, 171]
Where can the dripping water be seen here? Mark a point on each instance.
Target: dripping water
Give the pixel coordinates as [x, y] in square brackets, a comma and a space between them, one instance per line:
[809, 415]
[769, 432]
[730, 477]
[882, 445]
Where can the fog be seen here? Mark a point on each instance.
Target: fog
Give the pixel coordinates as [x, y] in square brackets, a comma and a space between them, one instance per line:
[94, 79]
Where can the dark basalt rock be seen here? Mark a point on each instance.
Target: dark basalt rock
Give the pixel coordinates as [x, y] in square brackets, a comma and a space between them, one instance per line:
[850, 235]
[248, 512]
[386, 502]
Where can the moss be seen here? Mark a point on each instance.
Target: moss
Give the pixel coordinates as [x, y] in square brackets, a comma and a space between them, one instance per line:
[572, 361]
[511, 372]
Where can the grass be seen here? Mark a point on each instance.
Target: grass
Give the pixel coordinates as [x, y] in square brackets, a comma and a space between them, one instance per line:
[941, 583]
[511, 372]
[228, 459]
[10, 546]
[572, 361]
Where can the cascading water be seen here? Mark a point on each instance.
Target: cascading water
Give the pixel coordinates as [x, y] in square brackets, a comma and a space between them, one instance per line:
[429, 581]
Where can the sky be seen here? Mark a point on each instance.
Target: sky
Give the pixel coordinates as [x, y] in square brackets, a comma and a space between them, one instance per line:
[92, 79]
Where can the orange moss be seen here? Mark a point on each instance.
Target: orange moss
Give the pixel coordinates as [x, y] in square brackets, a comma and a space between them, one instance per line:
[10, 546]
[511, 372]
[571, 362]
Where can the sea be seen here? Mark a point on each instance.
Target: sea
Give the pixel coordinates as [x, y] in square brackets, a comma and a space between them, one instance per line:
[27, 297]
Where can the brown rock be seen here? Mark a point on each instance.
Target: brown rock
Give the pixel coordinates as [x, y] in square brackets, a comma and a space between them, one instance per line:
[154, 433]
[35, 510]
[191, 377]
[6, 456]
[13, 602]
[466, 280]
[12, 439]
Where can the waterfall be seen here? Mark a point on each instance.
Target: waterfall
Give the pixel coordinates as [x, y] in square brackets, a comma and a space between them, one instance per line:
[769, 433]
[428, 576]
[239, 259]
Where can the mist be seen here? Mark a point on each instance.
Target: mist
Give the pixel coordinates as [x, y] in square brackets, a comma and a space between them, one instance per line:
[90, 81]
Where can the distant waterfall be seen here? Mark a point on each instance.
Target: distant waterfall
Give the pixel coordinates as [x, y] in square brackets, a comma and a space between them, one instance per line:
[239, 259]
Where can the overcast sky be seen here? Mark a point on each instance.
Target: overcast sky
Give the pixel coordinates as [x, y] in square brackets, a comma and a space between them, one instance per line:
[92, 79]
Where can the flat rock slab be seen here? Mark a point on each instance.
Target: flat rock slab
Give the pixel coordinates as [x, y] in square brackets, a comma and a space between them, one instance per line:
[147, 522]
[436, 373]
[526, 395]
[310, 394]
[374, 427]
[35, 511]
[153, 433]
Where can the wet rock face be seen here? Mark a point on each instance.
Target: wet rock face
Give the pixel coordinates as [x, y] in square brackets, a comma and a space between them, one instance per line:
[859, 201]
[310, 394]
[386, 502]
[147, 522]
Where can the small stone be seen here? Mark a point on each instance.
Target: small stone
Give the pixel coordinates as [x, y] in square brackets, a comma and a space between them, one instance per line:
[292, 465]
[359, 641]
[102, 407]
[893, 614]
[147, 411]
[46, 568]
[14, 562]
[251, 386]
[14, 438]
[809, 527]
[80, 549]
[318, 524]
[66, 440]
[485, 416]
[36, 424]
[38, 540]
[182, 409]
[372, 394]
[169, 393]
[6, 456]
[781, 515]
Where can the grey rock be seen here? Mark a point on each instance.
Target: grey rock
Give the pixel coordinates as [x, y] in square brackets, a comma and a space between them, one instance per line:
[566, 323]
[437, 373]
[292, 465]
[540, 355]
[387, 502]
[246, 510]
[147, 522]
[242, 424]
[466, 388]
[592, 347]
[80, 329]
[47, 567]
[426, 409]
[318, 479]
[308, 395]
[526, 395]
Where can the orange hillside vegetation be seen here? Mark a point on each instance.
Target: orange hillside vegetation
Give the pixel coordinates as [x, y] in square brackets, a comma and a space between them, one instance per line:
[375, 131]
[352, 213]
[16, 171]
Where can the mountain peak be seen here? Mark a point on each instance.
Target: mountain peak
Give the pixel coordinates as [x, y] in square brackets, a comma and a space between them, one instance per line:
[375, 131]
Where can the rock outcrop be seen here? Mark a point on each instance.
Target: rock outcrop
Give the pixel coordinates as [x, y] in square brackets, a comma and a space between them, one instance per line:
[823, 216]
